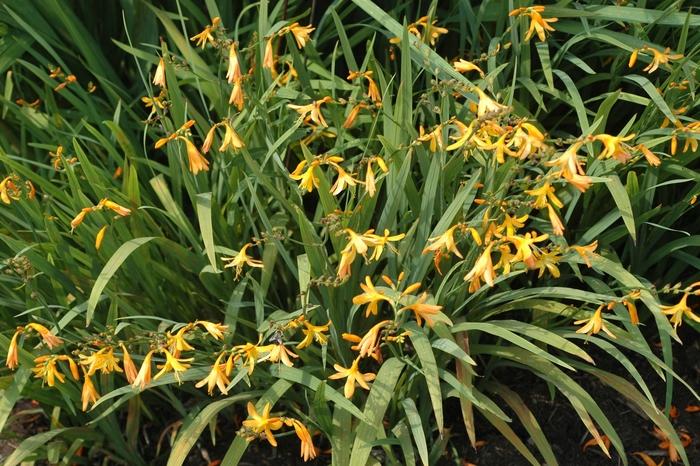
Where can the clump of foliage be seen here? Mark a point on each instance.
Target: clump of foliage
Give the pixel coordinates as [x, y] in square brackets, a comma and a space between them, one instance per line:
[335, 221]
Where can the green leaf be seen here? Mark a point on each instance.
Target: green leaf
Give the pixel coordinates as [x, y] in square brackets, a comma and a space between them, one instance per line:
[430, 370]
[109, 270]
[203, 203]
[377, 402]
[623, 203]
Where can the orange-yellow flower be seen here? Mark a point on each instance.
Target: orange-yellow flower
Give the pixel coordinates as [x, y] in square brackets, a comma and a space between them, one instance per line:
[262, 424]
[102, 360]
[483, 268]
[544, 195]
[594, 324]
[143, 378]
[231, 139]
[241, 259]
[370, 184]
[129, 368]
[51, 340]
[586, 252]
[354, 377]
[312, 110]
[344, 180]
[614, 146]
[423, 311]
[216, 378]
[677, 311]
[280, 353]
[237, 95]
[176, 365]
[205, 36]
[308, 451]
[307, 178]
[314, 332]
[538, 24]
[214, 329]
[159, 76]
[233, 73]
[89, 393]
[370, 296]
[301, 33]
[12, 360]
[464, 66]
[196, 161]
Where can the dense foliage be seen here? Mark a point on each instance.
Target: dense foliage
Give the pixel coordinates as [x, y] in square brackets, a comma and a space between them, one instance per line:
[329, 221]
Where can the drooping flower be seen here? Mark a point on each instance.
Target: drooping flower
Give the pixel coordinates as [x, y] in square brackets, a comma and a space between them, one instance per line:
[233, 73]
[677, 311]
[423, 311]
[129, 368]
[308, 451]
[143, 378]
[51, 340]
[216, 378]
[464, 66]
[89, 393]
[231, 139]
[586, 252]
[483, 268]
[159, 76]
[354, 377]
[370, 184]
[594, 324]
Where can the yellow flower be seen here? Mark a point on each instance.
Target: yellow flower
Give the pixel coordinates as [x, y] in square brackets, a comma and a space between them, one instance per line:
[651, 158]
[359, 242]
[677, 311]
[370, 296]
[100, 237]
[301, 34]
[215, 330]
[557, 225]
[216, 378]
[488, 106]
[197, 162]
[370, 184]
[352, 116]
[372, 89]
[45, 368]
[269, 57]
[307, 179]
[103, 360]
[380, 242]
[252, 352]
[262, 423]
[129, 367]
[233, 73]
[205, 36]
[89, 393]
[177, 343]
[434, 137]
[524, 244]
[344, 180]
[312, 110]
[354, 376]
[594, 324]
[237, 95]
[512, 224]
[51, 340]
[12, 360]
[659, 57]
[544, 195]
[431, 32]
[444, 243]
[159, 76]
[586, 252]
[314, 332]
[528, 139]
[464, 66]
[548, 260]
[143, 378]
[231, 139]
[308, 451]
[423, 311]
[570, 168]
[369, 343]
[347, 257]
[614, 146]
[538, 24]
[241, 259]
[483, 268]
[176, 365]
[279, 353]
